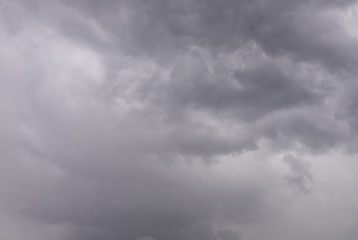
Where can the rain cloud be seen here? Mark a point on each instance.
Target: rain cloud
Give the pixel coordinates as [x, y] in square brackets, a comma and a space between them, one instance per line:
[181, 120]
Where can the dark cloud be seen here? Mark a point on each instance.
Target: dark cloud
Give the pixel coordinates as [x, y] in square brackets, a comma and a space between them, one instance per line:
[248, 94]
[158, 119]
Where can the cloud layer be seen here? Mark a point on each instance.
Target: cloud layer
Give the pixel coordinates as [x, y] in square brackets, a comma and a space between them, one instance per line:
[162, 119]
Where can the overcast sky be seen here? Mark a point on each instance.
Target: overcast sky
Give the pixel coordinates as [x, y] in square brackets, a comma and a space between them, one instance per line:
[178, 119]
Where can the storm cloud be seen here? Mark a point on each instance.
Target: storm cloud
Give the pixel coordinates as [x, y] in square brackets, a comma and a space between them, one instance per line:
[181, 120]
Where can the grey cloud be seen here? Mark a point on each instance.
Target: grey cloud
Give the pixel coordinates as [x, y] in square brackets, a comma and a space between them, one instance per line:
[300, 175]
[145, 238]
[111, 190]
[110, 152]
[250, 94]
[307, 130]
[281, 27]
[297, 34]
[227, 234]
[158, 27]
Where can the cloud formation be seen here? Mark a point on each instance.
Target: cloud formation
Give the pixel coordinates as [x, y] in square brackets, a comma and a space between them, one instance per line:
[162, 119]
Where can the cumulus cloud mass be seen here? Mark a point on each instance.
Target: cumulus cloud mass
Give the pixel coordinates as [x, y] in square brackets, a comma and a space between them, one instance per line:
[178, 119]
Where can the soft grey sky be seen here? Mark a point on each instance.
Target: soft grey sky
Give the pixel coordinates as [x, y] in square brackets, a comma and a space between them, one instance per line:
[178, 120]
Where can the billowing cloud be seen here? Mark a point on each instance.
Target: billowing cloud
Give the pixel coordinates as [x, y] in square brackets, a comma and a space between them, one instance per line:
[161, 119]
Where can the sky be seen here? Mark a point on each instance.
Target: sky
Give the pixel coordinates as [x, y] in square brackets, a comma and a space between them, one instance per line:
[178, 120]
